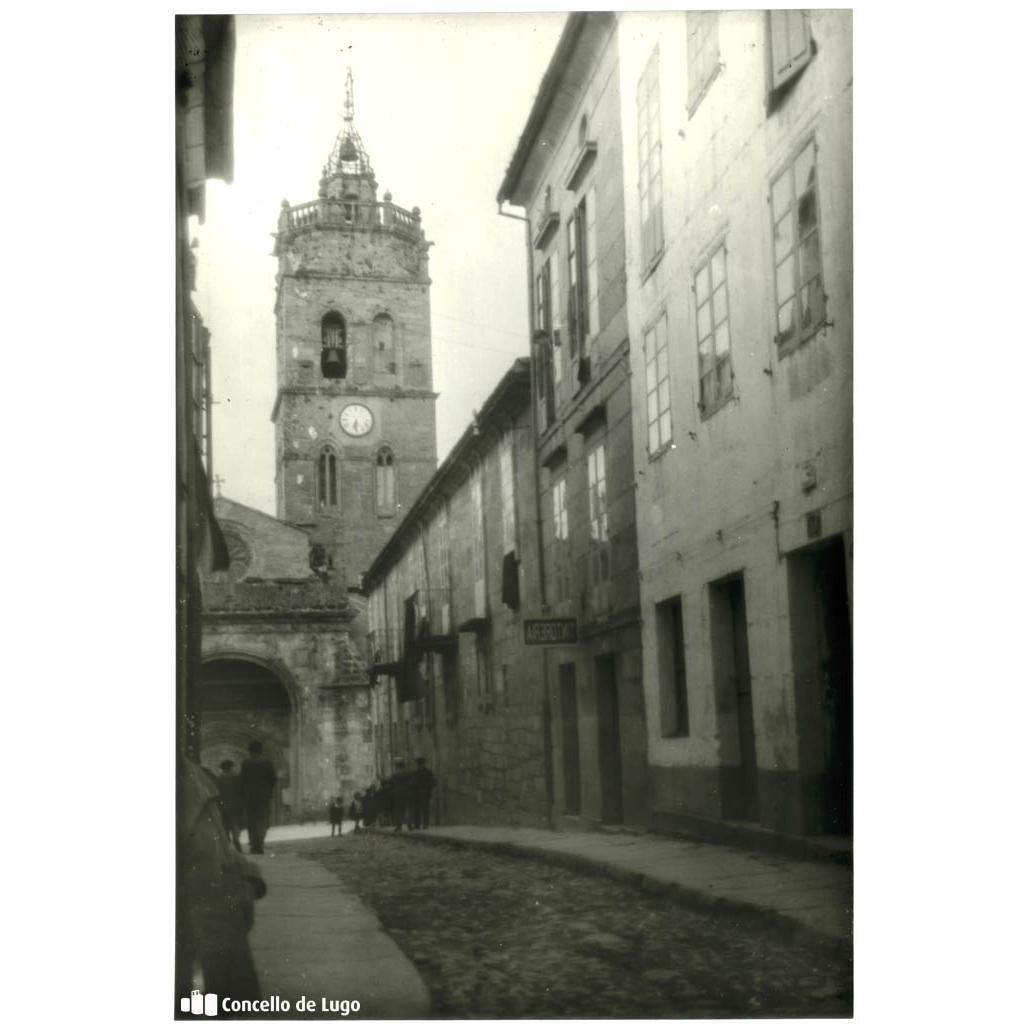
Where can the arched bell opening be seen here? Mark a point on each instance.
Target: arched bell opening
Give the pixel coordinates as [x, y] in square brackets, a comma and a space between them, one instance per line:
[333, 348]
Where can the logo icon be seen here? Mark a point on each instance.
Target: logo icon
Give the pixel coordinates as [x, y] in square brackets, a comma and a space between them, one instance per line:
[199, 1004]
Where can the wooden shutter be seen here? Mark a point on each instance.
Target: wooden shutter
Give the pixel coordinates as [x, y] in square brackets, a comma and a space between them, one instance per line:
[790, 44]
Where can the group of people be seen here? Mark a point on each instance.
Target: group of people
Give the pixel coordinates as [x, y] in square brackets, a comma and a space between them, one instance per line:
[401, 799]
[245, 797]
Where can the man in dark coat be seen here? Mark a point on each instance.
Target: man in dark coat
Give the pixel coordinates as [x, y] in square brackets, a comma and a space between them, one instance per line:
[399, 794]
[421, 785]
[228, 785]
[257, 781]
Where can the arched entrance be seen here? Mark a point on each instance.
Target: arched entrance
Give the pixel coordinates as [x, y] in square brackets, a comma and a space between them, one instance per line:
[241, 701]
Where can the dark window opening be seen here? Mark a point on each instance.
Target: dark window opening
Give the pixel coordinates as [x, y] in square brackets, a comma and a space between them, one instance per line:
[333, 350]
[327, 480]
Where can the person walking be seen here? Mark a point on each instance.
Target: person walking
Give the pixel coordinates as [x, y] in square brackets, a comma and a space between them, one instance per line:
[228, 785]
[399, 795]
[257, 780]
[356, 811]
[421, 786]
[336, 814]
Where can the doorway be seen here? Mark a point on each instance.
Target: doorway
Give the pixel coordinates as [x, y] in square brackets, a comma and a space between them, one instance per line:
[732, 678]
[609, 744]
[822, 638]
[570, 737]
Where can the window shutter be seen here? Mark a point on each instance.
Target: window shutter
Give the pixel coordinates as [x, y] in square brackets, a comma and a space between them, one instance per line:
[790, 45]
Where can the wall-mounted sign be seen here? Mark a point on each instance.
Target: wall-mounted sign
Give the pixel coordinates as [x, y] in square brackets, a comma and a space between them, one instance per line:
[550, 632]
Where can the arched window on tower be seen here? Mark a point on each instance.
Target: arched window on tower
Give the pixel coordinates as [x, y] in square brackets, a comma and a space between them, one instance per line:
[384, 343]
[333, 352]
[349, 208]
[385, 482]
[327, 480]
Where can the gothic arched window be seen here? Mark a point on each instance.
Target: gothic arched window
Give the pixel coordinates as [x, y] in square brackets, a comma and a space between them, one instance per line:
[333, 351]
[384, 343]
[385, 482]
[327, 480]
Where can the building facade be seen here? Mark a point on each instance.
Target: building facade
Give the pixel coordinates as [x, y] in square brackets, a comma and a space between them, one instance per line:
[566, 173]
[737, 130]
[448, 597]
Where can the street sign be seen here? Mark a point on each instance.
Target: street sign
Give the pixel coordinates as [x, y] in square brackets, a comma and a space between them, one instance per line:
[550, 632]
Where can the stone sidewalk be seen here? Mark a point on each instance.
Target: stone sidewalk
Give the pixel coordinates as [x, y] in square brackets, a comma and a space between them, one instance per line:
[809, 900]
[313, 939]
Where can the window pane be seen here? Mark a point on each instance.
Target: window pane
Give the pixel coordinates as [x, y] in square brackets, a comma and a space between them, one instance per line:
[722, 339]
[784, 279]
[724, 374]
[702, 285]
[663, 395]
[706, 356]
[704, 321]
[810, 258]
[786, 321]
[652, 378]
[783, 236]
[718, 267]
[706, 398]
[662, 364]
[666, 426]
[804, 168]
[653, 444]
[720, 305]
[807, 212]
[781, 196]
[812, 301]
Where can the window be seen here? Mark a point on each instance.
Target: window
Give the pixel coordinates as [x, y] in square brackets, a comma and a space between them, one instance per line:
[443, 568]
[479, 578]
[789, 45]
[349, 208]
[546, 355]
[714, 350]
[599, 568]
[675, 717]
[385, 482]
[659, 417]
[649, 128]
[799, 291]
[333, 353]
[384, 343]
[560, 555]
[327, 480]
[701, 53]
[583, 308]
[508, 493]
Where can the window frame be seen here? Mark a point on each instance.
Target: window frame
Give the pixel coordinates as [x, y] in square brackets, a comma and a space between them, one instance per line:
[701, 70]
[597, 513]
[327, 472]
[561, 550]
[384, 508]
[507, 476]
[706, 263]
[652, 244]
[664, 443]
[801, 333]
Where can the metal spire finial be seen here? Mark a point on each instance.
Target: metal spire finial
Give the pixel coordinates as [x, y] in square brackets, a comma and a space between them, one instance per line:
[350, 106]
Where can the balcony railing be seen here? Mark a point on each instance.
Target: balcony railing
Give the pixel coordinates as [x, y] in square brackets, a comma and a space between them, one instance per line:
[351, 214]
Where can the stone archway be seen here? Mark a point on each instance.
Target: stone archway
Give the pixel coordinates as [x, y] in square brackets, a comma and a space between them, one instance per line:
[243, 699]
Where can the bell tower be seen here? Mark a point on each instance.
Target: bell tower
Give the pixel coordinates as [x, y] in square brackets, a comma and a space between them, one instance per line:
[355, 409]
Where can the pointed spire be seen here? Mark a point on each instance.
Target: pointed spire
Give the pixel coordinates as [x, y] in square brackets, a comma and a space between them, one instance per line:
[348, 155]
[350, 103]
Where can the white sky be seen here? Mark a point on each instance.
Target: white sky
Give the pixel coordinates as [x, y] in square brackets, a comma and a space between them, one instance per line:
[440, 101]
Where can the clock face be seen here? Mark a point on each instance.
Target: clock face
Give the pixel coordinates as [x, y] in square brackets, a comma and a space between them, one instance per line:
[356, 420]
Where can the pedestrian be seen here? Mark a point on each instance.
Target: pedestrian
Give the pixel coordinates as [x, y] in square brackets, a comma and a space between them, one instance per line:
[228, 785]
[355, 810]
[370, 805]
[421, 786]
[257, 780]
[399, 795]
[216, 892]
[336, 813]
[385, 800]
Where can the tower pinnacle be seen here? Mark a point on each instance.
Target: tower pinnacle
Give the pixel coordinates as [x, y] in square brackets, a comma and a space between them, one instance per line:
[348, 156]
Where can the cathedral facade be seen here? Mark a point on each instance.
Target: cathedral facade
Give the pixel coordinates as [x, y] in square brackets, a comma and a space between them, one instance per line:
[285, 630]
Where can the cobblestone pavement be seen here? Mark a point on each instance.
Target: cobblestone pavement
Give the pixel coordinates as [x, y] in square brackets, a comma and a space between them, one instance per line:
[500, 936]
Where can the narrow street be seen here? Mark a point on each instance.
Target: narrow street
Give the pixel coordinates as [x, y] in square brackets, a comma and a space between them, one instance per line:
[499, 936]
